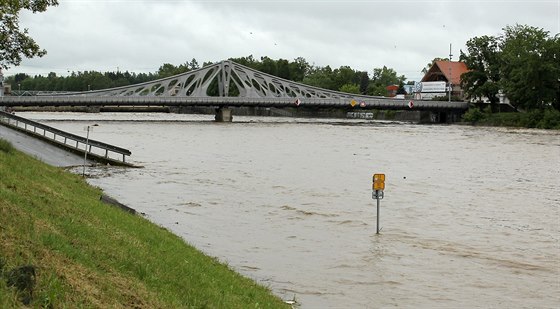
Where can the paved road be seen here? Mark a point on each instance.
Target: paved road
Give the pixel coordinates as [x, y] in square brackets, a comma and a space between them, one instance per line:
[41, 150]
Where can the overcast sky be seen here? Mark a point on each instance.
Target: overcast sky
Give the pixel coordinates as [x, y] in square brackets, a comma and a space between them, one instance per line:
[141, 35]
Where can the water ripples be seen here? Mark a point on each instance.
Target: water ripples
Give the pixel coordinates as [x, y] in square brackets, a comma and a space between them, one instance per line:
[470, 215]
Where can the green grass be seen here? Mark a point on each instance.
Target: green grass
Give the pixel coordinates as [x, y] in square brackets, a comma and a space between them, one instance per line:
[6, 147]
[90, 255]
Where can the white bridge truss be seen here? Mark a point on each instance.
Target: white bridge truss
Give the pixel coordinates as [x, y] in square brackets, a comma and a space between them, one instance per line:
[254, 88]
[196, 83]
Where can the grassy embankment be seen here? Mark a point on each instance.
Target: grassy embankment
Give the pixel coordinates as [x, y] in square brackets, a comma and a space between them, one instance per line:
[60, 247]
[541, 119]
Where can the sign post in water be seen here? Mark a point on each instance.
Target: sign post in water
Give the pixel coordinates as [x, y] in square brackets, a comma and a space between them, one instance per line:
[377, 194]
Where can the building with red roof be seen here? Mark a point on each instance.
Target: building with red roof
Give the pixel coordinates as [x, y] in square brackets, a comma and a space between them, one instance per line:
[437, 78]
[392, 90]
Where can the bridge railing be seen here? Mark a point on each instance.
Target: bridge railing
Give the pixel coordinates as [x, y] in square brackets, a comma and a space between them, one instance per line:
[95, 149]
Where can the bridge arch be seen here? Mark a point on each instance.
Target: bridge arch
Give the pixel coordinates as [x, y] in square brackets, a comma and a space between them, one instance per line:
[254, 88]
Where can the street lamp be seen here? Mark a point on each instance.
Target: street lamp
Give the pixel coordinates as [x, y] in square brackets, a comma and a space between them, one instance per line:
[87, 144]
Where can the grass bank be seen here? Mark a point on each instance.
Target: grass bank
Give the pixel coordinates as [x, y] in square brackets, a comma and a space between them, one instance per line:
[541, 119]
[60, 247]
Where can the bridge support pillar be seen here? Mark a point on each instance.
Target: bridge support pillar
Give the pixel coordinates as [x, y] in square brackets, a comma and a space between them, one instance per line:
[223, 114]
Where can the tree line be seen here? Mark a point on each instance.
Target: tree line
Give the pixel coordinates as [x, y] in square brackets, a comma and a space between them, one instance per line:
[523, 64]
[76, 81]
[343, 79]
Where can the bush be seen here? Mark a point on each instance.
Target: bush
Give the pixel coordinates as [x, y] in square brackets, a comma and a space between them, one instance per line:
[6, 146]
[550, 120]
[474, 115]
[506, 119]
[541, 119]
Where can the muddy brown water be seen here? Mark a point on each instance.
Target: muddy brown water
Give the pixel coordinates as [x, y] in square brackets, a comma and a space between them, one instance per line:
[470, 216]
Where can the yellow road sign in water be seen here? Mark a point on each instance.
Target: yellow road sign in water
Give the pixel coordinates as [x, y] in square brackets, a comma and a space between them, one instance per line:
[378, 182]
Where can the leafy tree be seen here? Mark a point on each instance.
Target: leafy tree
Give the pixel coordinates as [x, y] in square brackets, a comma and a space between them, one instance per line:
[295, 70]
[320, 77]
[19, 77]
[383, 77]
[523, 62]
[248, 61]
[185, 67]
[530, 67]
[193, 65]
[14, 42]
[483, 60]
[344, 75]
[283, 68]
[364, 82]
[166, 70]
[299, 68]
[350, 88]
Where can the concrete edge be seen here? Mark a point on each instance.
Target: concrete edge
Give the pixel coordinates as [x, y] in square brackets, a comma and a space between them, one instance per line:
[113, 202]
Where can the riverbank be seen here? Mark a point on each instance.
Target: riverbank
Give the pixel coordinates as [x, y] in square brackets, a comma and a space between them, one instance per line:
[547, 119]
[60, 246]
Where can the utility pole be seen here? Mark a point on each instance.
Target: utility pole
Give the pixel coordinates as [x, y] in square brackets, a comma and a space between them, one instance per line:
[1, 84]
[88, 128]
[449, 81]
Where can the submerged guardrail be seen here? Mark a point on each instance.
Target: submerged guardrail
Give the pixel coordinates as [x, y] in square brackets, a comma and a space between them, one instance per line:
[67, 140]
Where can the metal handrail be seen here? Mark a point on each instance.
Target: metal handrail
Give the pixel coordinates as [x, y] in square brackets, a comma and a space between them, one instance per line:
[56, 132]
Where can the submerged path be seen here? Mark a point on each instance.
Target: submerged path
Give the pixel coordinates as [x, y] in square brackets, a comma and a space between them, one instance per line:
[41, 150]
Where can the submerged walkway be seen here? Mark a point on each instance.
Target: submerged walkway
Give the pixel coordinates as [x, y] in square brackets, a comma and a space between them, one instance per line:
[41, 150]
[97, 151]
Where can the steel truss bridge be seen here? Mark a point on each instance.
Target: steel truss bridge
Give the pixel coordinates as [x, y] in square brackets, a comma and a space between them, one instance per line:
[237, 86]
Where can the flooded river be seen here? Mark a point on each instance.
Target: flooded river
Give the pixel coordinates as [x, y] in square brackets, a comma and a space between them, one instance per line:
[470, 216]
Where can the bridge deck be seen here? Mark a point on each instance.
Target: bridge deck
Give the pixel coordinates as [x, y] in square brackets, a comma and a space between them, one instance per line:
[376, 103]
[254, 88]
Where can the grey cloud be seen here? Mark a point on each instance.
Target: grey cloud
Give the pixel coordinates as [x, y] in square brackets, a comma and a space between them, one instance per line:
[142, 35]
